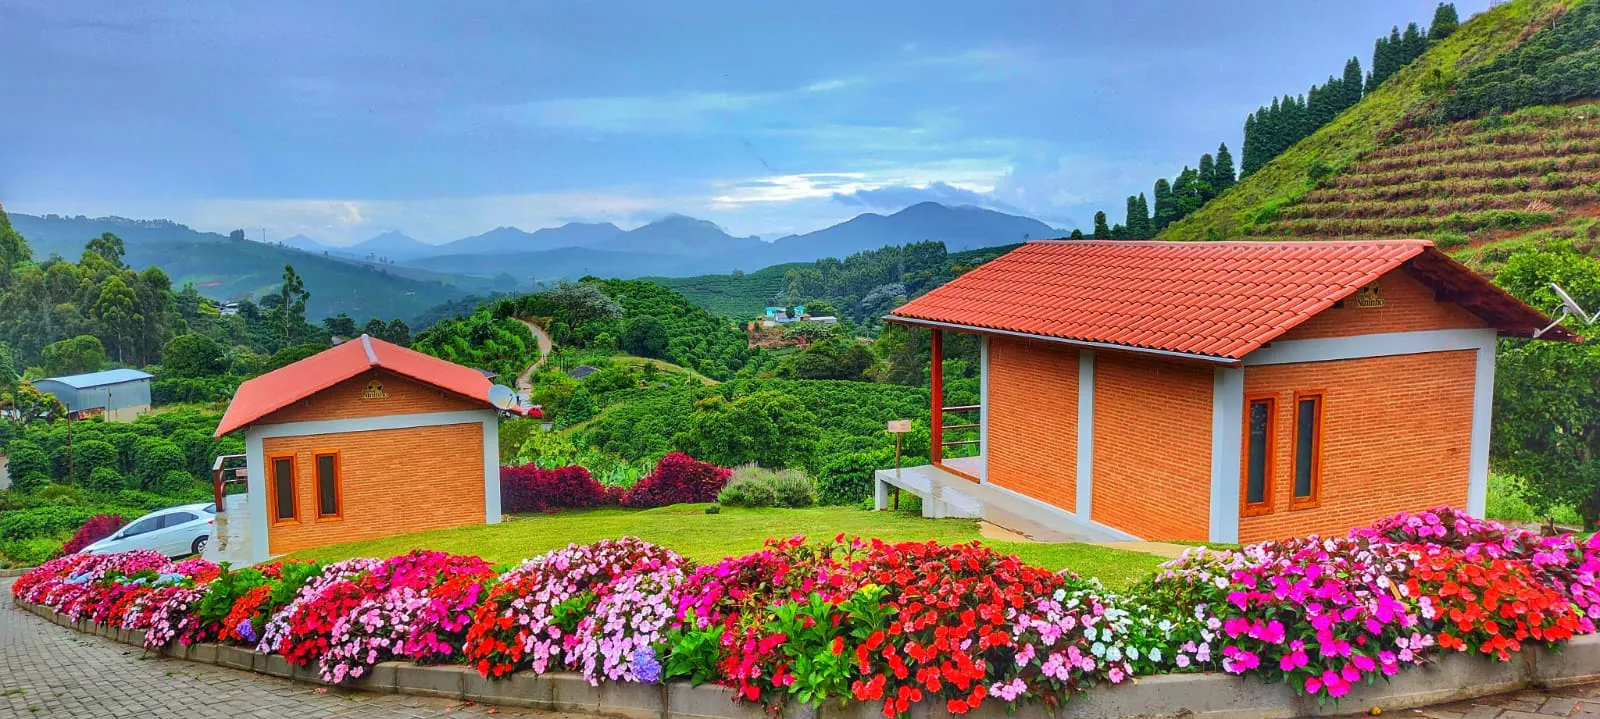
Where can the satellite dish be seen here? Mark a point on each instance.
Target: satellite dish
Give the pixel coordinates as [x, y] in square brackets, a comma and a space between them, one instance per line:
[1571, 305]
[1569, 308]
[502, 396]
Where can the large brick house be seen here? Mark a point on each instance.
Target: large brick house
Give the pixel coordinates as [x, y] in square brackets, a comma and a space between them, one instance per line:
[1222, 391]
[363, 440]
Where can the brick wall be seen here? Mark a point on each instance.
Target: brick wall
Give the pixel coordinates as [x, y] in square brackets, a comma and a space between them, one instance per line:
[1033, 419]
[345, 400]
[1396, 436]
[393, 482]
[1152, 446]
[1408, 306]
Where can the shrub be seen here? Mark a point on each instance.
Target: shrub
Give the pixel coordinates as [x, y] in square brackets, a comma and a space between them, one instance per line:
[104, 479]
[61, 494]
[26, 482]
[95, 529]
[678, 478]
[174, 482]
[748, 486]
[154, 458]
[752, 486]
[530, 489]
[847, 478]
[92, 454]
[30, 552]
[42, 522]
[27, 458]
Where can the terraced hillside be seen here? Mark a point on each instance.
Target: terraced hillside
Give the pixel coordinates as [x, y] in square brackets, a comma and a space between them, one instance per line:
[1539, 35]
[1463, 184]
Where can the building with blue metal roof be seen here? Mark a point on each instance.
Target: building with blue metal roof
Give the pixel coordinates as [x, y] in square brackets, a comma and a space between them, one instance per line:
[120, 395]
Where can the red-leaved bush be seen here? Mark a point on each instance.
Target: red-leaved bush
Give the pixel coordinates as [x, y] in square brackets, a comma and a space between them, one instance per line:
[95, 529]
[678, 478]
[531, 489]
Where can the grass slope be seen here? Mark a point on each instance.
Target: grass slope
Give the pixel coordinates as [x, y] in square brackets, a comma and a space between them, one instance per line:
[1362, 128]
[687, 529]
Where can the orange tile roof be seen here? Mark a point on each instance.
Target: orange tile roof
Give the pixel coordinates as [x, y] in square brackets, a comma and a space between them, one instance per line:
[261, 396]
[1213, 300]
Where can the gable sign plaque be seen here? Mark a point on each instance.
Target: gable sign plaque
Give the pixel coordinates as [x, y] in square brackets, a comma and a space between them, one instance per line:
[1368, 296]
[374, 390]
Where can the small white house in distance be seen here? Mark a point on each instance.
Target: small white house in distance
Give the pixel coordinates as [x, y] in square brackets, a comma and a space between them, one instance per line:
[120, 395]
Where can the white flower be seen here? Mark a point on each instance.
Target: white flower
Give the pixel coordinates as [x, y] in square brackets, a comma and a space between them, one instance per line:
[1221, 582]
[1133, 654]
[1060, 594]
[1090, 633]
[1165, 625]
[1098, 649]
[1114, 653]
[1155, 654]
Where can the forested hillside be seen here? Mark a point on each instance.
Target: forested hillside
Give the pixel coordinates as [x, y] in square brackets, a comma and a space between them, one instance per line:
[234, 268]
[1415, 95]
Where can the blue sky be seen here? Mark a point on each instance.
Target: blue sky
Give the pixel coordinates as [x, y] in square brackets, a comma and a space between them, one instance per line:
[341, 120]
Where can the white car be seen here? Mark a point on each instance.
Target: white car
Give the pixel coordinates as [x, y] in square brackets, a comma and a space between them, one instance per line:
[175, 532]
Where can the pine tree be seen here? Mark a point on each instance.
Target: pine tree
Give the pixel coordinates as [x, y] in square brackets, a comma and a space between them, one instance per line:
[1077, 234]
[1142, 232]
[1223, 174]
[1352, 84]
[1166, 211]
[1412, 44]
[1252, 143]
[1208, 168]
[1118, 232]
[1101, 231]
[1445, 22]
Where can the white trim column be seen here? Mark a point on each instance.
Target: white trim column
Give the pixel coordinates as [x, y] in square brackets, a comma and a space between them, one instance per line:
[1227, 438]
[983, 408]
[1083, 502]
[1482, 416]
[491, 469]
[255, 485]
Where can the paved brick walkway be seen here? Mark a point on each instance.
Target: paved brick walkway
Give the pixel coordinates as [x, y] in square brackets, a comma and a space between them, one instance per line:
[1577, 702]
[51, 671]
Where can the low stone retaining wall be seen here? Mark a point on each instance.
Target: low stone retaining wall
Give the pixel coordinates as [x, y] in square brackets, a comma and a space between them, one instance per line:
[19, 571]
[1213, 696]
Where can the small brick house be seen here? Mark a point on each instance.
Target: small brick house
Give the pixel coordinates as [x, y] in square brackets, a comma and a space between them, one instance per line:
[363, 440]
[1223, 391]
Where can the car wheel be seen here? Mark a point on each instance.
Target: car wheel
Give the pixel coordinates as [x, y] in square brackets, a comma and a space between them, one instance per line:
[199, 545]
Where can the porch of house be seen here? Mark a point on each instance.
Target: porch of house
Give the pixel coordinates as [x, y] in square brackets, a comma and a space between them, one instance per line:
[948, 495]
[957, 487]
[230, 534]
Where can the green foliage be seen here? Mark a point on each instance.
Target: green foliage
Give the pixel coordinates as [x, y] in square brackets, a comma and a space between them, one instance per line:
[154, 458]
[75, 355]
[481, 340]
[836, 358]
[848, 478]
[645, 336]
[1445, 22]
[105, 478]
[26, 458]
[42, 522]
[92, 454]
[580, 407]
[29, 481]
[754, 486]
[1361, 128]
[226, 589]
[192, 355]
[1557, 64]
[1547, 394]
[768, 428]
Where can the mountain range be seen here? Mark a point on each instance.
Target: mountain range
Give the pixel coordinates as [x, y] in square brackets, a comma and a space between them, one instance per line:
[393, 274]
[681, 245]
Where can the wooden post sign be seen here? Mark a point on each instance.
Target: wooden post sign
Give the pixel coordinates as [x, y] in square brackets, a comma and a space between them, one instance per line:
[898, 428]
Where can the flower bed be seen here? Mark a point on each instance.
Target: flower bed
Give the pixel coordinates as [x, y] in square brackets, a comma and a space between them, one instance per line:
[892, 625]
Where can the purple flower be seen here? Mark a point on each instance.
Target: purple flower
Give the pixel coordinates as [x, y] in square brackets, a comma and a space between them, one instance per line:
[246, 631]
[645, 666]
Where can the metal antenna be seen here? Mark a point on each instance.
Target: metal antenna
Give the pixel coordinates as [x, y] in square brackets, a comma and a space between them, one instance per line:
[1569, 308]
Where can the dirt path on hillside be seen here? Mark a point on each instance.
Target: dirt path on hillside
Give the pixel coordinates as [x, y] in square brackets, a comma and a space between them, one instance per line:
[525, 380]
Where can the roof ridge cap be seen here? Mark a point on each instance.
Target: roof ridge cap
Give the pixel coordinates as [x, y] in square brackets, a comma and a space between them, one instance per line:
[366, 344]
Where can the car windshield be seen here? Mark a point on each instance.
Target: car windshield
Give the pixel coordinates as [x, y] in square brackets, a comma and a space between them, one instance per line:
[210, 509]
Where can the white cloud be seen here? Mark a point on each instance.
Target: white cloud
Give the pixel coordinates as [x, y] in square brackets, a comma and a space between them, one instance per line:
[676, 112]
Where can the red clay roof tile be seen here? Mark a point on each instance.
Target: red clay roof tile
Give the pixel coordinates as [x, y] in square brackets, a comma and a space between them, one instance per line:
[1220, 300]
[261, 396]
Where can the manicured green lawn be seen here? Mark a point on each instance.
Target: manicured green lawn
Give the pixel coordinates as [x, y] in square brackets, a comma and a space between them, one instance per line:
[705, 537]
